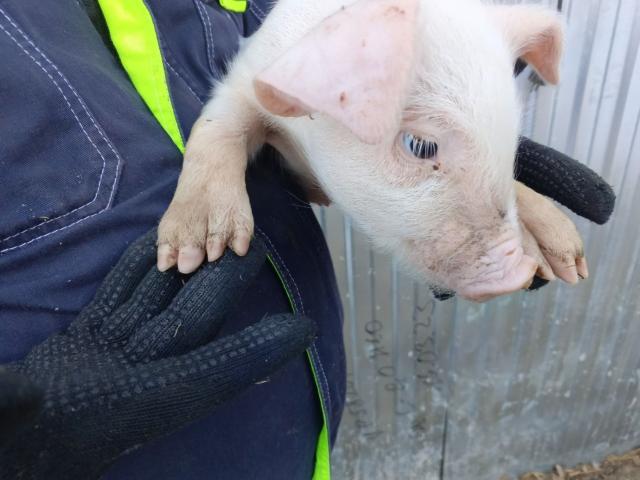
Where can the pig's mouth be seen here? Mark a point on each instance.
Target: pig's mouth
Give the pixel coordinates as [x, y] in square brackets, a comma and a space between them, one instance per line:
[504, 269]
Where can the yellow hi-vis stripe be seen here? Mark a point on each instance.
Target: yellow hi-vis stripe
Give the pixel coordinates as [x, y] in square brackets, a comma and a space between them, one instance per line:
[134, 36]
[323, 448]
[237, 6]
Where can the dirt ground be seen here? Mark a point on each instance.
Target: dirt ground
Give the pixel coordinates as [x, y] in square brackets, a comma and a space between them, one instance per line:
[614, 467]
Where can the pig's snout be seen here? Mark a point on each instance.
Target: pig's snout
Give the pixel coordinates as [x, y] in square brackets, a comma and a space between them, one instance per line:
[504, 269]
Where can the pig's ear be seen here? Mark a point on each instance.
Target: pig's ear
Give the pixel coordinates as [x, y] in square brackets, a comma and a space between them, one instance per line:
[355, 66]
[535, 35]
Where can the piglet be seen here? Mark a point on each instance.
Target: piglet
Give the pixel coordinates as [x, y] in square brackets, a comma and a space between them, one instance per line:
[404, 113]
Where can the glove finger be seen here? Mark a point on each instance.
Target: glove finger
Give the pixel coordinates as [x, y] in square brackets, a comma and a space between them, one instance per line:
[122, 280]
[251, 355]
[567, 181]
[154, 293]
[172, 392]
[20, 401]
[195, 315]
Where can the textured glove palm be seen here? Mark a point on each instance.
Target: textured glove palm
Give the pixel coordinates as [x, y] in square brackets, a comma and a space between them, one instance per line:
[138, 363]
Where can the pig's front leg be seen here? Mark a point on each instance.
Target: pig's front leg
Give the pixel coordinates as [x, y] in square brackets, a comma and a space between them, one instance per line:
[550, 237]
[210, 209]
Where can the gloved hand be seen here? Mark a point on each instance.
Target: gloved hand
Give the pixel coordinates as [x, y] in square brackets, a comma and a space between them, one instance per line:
[139, 362]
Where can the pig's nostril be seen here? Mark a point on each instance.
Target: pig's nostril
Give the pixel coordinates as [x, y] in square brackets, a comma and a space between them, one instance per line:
[511, 252]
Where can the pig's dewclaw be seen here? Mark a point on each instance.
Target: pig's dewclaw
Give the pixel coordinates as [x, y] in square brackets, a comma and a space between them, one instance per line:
[555, 235]
[186, 235]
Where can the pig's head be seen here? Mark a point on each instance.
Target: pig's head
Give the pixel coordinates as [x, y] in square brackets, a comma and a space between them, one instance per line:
[408, 113]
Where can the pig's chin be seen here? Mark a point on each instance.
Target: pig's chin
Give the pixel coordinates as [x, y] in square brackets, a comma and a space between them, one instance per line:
[502, 270]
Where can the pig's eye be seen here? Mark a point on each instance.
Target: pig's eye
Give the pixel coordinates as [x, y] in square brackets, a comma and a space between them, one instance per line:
[419, 147]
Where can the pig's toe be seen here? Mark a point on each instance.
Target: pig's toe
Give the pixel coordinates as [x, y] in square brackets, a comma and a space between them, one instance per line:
[564, 266]
[240, 243]
[181, 238]
[582, 267]
[230, 225]
[563, 250]
[190, 258]
[555, 234]
[167, 257]
[544, 269]
[531, 248]
[215, 247]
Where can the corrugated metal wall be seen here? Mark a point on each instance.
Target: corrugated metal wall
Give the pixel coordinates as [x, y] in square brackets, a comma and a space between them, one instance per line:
[461, 391]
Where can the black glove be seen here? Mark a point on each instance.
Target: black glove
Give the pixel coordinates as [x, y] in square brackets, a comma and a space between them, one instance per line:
[564, 179]
[139, 362]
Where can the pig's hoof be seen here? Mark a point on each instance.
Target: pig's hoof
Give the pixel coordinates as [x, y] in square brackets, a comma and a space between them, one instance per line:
[561, 245]
[556, 236]
[190, 231]
[570, 266]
